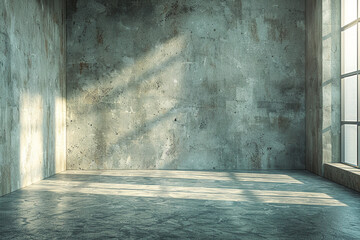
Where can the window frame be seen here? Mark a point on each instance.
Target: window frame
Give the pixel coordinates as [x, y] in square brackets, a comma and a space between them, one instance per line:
[346, 75]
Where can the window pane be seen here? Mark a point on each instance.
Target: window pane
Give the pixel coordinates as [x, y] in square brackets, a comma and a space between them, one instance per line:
[349, 143]
[349, 11]
[349, 98]
[358, 48]
[358, 136]
[349, 50]
[358, 6]
[358, 98]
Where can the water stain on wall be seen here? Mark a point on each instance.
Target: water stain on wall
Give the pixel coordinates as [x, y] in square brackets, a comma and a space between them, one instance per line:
[277, 32]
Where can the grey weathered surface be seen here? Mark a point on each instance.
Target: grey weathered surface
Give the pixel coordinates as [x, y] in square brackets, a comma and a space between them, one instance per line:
[32, 91]
[185, 84]
[330, 81]
[322, 84]
[343, 174]
[313, 86]
[159, 204]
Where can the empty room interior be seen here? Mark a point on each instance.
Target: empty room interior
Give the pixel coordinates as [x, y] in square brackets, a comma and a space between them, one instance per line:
[179, 119]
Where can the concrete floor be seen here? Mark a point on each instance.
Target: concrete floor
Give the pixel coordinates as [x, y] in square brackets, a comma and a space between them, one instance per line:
[181, 204]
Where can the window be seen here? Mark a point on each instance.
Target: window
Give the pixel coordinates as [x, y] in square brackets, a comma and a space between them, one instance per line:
[350, 72]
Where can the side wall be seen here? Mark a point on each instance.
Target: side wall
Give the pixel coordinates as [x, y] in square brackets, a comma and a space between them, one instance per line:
[32, 91]
[330, 82]
[322, 84]
[186, 84]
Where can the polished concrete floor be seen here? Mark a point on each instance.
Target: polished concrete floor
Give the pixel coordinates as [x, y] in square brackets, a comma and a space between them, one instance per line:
[181, 205]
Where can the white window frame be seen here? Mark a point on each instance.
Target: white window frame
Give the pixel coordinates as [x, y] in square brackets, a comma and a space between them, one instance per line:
[345, 76]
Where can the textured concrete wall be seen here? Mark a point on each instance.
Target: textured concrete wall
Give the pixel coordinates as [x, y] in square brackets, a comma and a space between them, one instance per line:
[186, 84]
[313, 85]
[330, 82]
[322, 84]
[32, 91]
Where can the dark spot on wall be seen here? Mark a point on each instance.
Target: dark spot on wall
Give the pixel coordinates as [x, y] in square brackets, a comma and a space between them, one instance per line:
[255, 157]
[133, 9]
[236, 8]
[176, 10]
[29, 62]
[99, 36]
[46, 47]
[158, 84]
[55, 19]
[175, 6]
[283, 123]
[202, 125]
[212, 88]
[82, 66]
[39, 2]
[100, 146]
[71, 5]
[62, 44]
[4, 14]
[276, 30]
[253, 30]
[286, 86]
[293, 106]
[173, 147]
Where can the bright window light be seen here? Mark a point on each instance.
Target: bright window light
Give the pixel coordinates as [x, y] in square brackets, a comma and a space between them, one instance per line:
[350, 70]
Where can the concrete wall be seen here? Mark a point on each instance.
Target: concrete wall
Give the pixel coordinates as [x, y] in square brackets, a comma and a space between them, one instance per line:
[186, 84]
[322, 83]
[313, 85]
[330, 82]
[32, 91]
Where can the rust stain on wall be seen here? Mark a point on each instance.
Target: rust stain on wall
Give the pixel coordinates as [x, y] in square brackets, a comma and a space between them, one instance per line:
[82, 66]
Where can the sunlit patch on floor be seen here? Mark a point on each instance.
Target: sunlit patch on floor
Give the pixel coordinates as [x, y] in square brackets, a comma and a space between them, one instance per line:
[235, 193]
